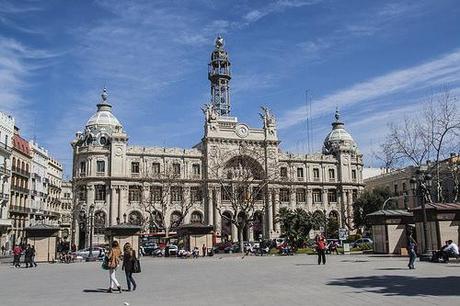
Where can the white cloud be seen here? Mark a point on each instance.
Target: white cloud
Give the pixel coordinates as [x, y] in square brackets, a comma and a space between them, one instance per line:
[379, 87]
[274, 7]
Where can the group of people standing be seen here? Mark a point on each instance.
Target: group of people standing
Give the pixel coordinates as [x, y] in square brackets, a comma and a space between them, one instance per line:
[29, 256]
[129, 263]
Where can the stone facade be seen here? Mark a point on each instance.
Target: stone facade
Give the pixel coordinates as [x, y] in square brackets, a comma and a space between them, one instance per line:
[6, 135]
[66, 200]
[111, 178]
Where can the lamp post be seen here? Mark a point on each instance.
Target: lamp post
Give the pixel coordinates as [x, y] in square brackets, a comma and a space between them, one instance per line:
[420, 185]
[91, 218]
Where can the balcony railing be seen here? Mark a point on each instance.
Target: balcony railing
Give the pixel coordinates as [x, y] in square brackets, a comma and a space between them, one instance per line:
[4, 196]
[19, 189]
[4, 171]
[21, 172]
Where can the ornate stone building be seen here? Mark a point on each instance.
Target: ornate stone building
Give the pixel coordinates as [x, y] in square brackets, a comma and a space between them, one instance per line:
[112, 179]
[6, 135]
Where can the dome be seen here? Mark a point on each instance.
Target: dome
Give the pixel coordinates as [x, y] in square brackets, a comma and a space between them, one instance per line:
[103, 116]
[339, 138]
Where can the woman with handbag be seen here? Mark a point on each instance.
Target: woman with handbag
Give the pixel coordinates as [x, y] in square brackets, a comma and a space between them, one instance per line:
[130, 265]
[113, 261]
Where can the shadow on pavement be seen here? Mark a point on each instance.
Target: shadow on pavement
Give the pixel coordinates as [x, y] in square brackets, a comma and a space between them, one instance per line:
[403, 285]
[392, 269]
[98, 290]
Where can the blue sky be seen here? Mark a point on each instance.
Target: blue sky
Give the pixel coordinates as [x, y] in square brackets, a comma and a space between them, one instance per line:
[376, 60]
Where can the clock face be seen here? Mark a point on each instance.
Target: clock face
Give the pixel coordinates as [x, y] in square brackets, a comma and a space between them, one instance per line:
[242, 130]
[118, 151]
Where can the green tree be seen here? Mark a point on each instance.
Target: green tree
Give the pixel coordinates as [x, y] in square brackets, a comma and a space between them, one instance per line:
[369, 202]
[332, 228]
[296, 225]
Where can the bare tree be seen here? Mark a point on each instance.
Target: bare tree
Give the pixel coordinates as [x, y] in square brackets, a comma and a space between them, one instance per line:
[442, 128]
[165, 192]
[243, 184]
[425, 137]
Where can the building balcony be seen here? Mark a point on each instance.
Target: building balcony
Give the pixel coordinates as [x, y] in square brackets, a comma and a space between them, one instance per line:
[21, 172]
[20, 189]
[4, 171]
[5, 222]
[19, 209]
[4, 197]
[5, 148]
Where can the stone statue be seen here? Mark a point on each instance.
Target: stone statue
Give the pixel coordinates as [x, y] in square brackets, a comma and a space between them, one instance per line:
[269, 119]
[210, 112]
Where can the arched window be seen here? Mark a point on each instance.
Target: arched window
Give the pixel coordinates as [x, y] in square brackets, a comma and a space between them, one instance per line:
[99, 222]
[196, 217]
[135, 218]
[156, 222]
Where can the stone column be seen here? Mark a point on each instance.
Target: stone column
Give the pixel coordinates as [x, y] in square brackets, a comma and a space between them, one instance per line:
[309, 199]
[276, 204]
[292, 195]
[217, 217]
[122, 200]
[115, 191]
[269, 218]
[234, 233]
[324, 198]
[210, 205]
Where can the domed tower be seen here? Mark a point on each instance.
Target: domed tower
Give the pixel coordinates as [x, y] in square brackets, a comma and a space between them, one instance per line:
[339, 140]
[101, 125]
[219, 74]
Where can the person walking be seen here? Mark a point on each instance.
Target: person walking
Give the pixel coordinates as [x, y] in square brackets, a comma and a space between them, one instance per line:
[203, 249]
[113, 262]
[28, 256]
[411, 245]
[321, 248]
[17, 256]
[129, 261]
[32, 258]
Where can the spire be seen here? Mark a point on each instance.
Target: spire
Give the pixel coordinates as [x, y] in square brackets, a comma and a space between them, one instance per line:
[337, 124]
[219, 75]
[104, 105]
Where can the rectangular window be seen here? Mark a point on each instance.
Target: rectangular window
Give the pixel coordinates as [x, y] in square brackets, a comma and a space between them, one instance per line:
[156, 168]
[225, 193]
[300, 195]
[404, 186]
[299, 172]
[316, 174]
[82, 193]
[283, 172]
[135, 167]
[331, 174]
[157, 193]
[176, 169]
[355, 195]
[82, 168]
[284, 195]
[331, 196]
[100, 192]
[100, 166]
[176, 194]
[196, 170]
[195, 194]
[134, 194]
[353, 174]
[396, 188]
[317, 196]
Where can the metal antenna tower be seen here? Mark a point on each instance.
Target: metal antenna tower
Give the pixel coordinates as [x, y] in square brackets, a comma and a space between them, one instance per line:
[219, 74]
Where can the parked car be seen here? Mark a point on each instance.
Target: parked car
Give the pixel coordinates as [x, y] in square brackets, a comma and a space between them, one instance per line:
[361, 242]
[234, 248]
[149, 248]
[96, 252]
[173, 250]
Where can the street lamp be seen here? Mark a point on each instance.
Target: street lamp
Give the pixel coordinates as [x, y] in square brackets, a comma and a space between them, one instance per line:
[420, 185]
[91, 218]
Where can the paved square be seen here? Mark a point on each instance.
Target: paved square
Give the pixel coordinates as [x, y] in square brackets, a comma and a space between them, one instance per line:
[231, 280]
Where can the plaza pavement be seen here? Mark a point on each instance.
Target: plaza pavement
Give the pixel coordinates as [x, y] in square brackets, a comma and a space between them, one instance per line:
[231, 280]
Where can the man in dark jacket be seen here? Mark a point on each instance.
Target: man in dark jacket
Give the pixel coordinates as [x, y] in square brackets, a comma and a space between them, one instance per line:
[28, 256]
